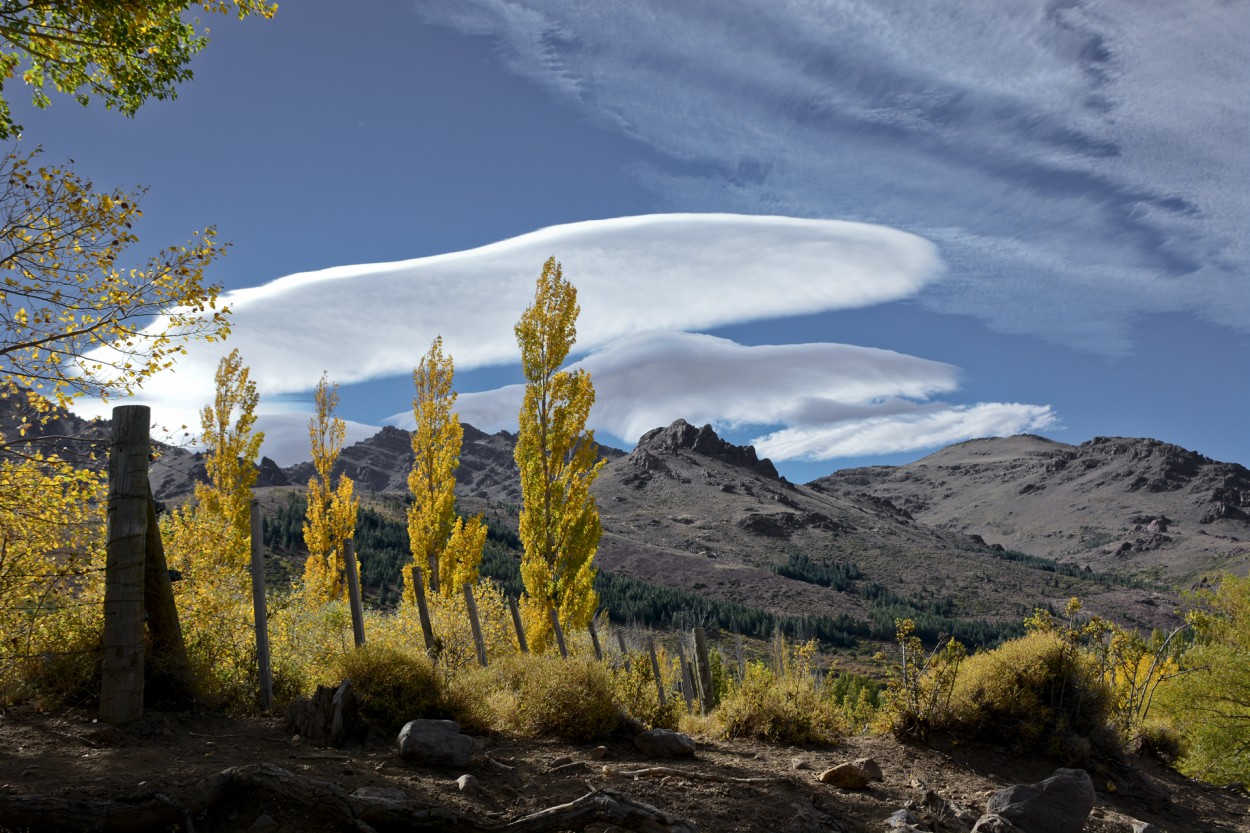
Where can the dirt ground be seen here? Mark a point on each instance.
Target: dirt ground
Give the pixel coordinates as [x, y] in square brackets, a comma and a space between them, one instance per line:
[67, 755]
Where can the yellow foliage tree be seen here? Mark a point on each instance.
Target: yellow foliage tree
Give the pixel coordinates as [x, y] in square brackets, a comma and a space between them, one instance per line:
[228, 425]
[331, 509]
[121, 52]
[434, 531]
[557, 456]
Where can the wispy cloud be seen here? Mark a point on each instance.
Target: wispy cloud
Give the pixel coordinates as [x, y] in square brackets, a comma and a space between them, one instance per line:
[834, 400]
[633, 274]
[1079, 163]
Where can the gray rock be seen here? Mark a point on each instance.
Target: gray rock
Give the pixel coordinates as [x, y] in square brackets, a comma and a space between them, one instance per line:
[1058, 804]
[598, 753]
[902, 819]
[435, 743]
[469, 784]
[799, 763]
[664, 743]
[263, 822]
[847, 776]
[871, 767]
[991, 823]
[1145, 827]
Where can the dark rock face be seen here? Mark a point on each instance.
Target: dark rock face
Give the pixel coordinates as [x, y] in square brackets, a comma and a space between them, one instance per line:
[682, 436]
[269, 474]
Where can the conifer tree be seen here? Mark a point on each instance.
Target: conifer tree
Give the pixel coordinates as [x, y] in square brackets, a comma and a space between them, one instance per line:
[331, 509]
[434, 531]
[559, 526]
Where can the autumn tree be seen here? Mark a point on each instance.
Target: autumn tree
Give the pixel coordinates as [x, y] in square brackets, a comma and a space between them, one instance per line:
[436, 535]
[558, 459]
[73, 319]
[233, 445]
[122, 53]
[331, 509]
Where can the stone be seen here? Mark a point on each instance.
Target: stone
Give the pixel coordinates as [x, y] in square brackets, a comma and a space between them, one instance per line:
[435, 743]
[1058, 804]
[1145, 827]
[664, 743]
[871, 767]
[902, 820]
[847, 776]
[799, 763]
[469, 784]
[263, 822]
[598, 753]
[992, 823]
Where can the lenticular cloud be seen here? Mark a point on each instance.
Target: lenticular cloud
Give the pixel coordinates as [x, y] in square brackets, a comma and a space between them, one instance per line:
[633, 274]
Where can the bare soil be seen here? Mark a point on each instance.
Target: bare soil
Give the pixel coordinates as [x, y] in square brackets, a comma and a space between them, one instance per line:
[68, 755]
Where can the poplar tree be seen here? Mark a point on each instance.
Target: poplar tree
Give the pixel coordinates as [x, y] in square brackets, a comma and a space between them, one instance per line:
[434, 531]
[331, 509]
[226, 499]
[558, 459]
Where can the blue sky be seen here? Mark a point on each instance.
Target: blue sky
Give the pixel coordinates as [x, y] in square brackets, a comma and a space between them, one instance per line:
[1002, 216]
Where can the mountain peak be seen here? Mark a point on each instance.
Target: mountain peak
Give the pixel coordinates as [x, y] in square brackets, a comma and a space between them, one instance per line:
[682, 436]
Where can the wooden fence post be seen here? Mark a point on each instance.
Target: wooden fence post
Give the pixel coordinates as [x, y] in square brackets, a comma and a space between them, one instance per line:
[353, 592]
[518, 625]
[260, 614]
[620, 640]
[423, 611]
[655, 669]
[686, 683]
[742, 666]
[594, 640]
[478, 642]
[555, 626]
[169, 671]
[705, 669]
[121, 683]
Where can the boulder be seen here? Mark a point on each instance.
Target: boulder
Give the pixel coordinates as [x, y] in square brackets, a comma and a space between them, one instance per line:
[848, 776]
[435, 743]
[870, 767]
[1058, 804]
[664, 743]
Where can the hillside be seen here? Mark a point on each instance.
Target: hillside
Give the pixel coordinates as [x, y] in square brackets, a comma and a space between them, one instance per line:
[1127, 505]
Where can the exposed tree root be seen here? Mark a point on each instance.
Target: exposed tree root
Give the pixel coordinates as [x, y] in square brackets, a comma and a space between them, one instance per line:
[155, 811]
[664, 772]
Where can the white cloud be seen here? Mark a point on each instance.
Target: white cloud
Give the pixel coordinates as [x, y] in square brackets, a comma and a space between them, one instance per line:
[923, 427]
[633, 274]
[1079, 163]
[836, 400]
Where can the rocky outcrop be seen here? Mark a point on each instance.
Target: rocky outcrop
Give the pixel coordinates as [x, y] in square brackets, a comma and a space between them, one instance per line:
[682, 436]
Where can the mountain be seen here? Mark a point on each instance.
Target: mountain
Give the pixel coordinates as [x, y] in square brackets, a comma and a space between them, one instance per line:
[1113, 504]
[689, 511]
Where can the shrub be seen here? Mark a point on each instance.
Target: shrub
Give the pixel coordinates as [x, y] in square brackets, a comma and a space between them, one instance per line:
[635, 693]
[1036, 692]
[536, 696]
[394, 686]
[781, 709]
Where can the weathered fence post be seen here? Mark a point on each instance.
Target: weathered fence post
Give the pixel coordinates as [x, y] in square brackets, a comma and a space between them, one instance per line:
[742, 666]
[705, 670]
[353, 592]
[121, 683]
[686, 683]
[594, 640]
[555, 626]
[518, 625]
[655, 669]
[423, 611]
[260, 614]
[478, 642]
[169, 670]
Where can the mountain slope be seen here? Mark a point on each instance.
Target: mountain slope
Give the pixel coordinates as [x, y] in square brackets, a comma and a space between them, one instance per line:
[1130, 505]
[687, 510]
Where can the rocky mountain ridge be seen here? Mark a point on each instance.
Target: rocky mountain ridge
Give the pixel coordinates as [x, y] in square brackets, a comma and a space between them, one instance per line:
[1112, 503]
